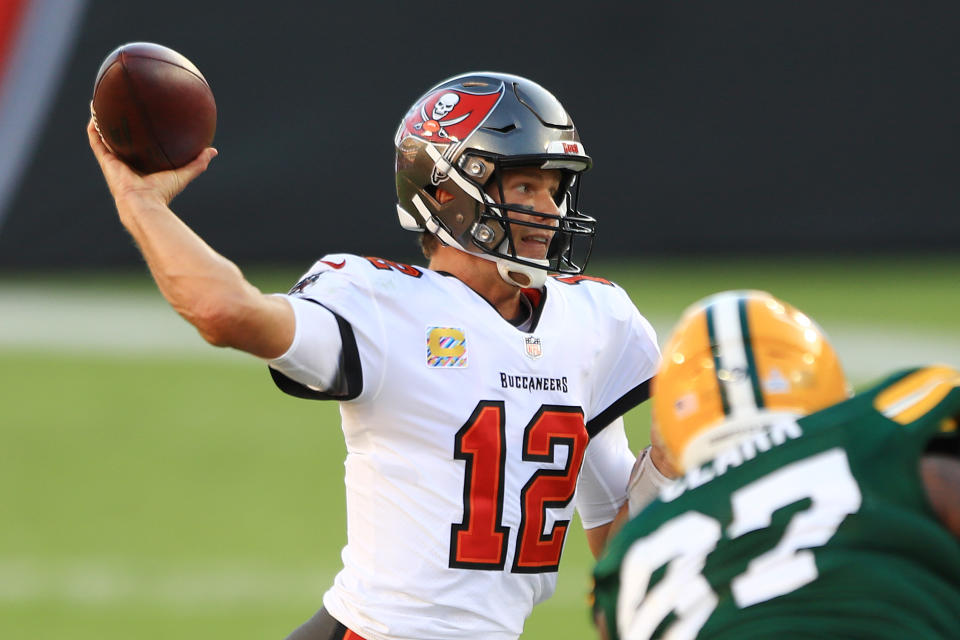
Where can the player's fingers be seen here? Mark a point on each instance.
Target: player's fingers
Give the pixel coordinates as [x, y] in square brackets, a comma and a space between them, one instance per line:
[94, 138]
[196, 166]
[208, 155]
[100, 149]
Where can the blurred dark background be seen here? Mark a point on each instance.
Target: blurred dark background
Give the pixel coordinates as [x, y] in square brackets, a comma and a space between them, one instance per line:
[716, 127]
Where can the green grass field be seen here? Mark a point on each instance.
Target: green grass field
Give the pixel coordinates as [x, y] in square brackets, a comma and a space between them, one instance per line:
[154, 487]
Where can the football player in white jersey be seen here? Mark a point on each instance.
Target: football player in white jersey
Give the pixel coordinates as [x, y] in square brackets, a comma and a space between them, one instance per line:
[480, 396]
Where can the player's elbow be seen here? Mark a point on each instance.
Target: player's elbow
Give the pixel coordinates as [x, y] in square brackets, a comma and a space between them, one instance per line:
[217, 319]
[247, 321]
[215, 333]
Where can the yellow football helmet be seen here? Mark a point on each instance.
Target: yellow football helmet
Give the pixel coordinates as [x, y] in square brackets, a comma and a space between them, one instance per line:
[736, 361]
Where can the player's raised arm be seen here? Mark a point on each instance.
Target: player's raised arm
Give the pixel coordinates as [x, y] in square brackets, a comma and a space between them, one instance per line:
[204, 287]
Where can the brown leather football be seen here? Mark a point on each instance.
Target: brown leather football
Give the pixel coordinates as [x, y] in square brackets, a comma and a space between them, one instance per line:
[153, 107]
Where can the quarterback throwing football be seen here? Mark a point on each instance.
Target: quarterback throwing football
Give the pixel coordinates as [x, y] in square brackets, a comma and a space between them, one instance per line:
[480, 396]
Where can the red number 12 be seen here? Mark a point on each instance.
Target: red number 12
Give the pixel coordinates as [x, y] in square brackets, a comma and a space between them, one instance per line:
[480, 541]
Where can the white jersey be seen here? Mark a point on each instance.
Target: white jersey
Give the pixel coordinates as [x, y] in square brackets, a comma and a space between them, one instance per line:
[465, 437]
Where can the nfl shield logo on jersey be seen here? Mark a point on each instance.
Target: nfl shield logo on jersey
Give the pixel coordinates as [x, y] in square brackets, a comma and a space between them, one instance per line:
[532, 344]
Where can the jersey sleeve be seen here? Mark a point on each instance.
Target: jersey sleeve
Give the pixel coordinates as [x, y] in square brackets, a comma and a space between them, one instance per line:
[315, 356]
[335, 294]
[627, 361]
[602, 484]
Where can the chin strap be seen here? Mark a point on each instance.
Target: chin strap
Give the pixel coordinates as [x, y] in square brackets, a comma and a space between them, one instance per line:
[535, 278]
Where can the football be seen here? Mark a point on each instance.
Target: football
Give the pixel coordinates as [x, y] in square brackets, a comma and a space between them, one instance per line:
[153, 107]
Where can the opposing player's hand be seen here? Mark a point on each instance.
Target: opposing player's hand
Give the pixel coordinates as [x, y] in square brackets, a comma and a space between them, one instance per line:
[125, 183]
[658, 454]
[662, 462]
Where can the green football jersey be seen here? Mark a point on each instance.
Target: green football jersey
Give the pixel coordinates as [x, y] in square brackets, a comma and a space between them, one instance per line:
[818, 527]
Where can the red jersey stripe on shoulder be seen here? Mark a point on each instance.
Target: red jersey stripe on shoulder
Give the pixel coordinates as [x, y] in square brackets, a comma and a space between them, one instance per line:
[391, 265]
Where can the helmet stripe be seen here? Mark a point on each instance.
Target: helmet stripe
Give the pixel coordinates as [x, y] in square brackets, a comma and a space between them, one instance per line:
[444, 167]
[717, 365]
[748, 350]
[729, 340]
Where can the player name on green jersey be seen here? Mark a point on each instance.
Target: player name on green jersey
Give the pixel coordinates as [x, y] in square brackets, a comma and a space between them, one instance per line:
[767, 437]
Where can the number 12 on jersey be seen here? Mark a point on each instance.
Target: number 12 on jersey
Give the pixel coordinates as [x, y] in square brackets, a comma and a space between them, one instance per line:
[480, 541]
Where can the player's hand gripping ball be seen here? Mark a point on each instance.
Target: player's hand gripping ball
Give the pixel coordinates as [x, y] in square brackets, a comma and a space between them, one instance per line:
[153, 107]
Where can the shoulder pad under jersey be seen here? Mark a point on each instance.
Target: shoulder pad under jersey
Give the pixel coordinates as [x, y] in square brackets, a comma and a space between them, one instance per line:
[927, 393]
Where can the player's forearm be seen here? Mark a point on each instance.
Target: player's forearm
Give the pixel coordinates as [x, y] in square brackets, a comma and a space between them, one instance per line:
[598, 536]
[204, 287]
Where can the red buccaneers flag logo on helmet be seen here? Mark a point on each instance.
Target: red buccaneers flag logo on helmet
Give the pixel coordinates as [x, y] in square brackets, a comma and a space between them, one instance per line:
[448, 116]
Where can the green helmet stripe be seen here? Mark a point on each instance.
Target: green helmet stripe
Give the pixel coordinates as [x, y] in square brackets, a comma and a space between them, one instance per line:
[717, 365]
[748, 351]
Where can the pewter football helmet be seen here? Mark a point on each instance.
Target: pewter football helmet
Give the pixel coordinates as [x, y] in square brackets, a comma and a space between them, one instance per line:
[453, 144]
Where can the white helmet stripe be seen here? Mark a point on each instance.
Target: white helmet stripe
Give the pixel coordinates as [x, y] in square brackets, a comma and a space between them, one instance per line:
[433, 226]
[407, 221]
[730, 355]
[444, 167]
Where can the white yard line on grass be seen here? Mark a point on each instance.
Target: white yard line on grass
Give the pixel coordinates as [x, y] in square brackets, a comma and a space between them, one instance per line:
[141, 323]
[92, 322]
[107, 581]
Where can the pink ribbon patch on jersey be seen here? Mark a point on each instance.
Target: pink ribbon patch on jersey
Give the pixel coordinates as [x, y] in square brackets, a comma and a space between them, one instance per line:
[446, 348]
